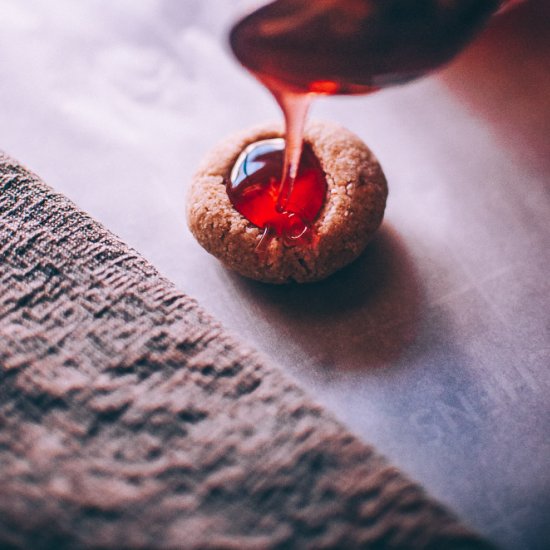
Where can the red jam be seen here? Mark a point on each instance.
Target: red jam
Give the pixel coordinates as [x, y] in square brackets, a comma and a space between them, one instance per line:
[254, 188]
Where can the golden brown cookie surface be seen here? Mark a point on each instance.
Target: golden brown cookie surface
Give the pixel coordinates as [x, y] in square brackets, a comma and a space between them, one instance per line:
[353, 209]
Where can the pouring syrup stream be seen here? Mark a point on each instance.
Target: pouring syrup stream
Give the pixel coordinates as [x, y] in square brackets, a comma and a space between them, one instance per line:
[295, 108]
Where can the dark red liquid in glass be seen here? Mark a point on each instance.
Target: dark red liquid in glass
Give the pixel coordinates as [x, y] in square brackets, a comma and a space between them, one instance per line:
[353, 46]
[255, 184]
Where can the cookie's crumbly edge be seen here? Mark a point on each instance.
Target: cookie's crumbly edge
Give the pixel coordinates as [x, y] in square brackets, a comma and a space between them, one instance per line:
[356, 198]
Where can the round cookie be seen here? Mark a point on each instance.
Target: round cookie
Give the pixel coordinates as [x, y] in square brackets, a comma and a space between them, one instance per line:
[353, 209]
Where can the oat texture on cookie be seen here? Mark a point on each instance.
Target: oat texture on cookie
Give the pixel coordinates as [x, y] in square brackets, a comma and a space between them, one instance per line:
[352, 211]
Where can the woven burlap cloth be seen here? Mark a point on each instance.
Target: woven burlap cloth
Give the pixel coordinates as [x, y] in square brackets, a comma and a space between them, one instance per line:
[130, 419]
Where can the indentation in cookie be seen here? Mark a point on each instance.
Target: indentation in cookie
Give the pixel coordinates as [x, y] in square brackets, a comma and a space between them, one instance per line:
[254, 186]
[349, 213]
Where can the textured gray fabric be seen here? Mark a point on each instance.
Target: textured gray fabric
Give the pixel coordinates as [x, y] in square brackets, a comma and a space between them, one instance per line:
[129, 418]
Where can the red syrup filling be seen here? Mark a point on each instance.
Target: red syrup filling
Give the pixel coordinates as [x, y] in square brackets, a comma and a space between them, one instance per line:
[254, 188]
